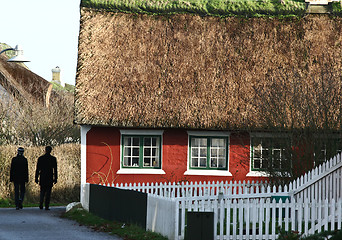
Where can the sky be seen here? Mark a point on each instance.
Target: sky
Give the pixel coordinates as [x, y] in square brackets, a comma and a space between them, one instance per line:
[47, 31]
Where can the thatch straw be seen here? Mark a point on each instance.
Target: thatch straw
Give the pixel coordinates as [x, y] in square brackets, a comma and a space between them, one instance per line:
[205, 72]
[21, 83]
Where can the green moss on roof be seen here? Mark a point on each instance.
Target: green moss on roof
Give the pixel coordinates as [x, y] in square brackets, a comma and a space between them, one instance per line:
[337, 8]
[222, 8]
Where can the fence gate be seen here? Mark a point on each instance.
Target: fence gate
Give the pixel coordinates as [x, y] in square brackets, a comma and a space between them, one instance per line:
[200, 226]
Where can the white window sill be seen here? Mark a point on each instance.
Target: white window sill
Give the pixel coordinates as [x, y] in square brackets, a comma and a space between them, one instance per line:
[140, 171]
[209, 173]
[257, 174]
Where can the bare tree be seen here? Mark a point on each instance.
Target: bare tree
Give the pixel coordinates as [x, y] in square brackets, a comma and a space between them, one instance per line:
[35, 124]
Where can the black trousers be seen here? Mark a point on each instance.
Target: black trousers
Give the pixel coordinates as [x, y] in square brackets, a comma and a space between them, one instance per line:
[45, 192]
[19, 193]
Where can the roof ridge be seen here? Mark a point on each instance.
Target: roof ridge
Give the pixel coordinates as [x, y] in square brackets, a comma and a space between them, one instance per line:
[220, 8]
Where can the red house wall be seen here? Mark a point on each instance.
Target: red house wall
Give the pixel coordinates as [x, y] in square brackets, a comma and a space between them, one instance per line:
[103, 158]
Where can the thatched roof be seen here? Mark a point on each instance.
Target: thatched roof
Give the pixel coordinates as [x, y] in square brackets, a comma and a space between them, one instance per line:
[21, 83]
[188, 71]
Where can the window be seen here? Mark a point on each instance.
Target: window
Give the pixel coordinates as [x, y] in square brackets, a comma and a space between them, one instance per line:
[208, 152]
[141, 151]
[326, 147]
[269, 153]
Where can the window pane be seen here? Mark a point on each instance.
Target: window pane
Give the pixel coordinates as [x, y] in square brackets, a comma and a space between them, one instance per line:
[214, 152]
[147, 152]
[203, 152]
[257, 153]
[218, 142]
[213, 163]
[221, 152]
[194, 152]
[135, 152]
[203, 162]
[194, 162]
[264, 163]
[276, 154]
[203, 142]
[155, 141]
[222, 163]
[215, 142]
[127, 141]
[257, 164]
[147, 162]
[135, 162]
[155, 162]
[127, 162]
[195, 142]
[136, 141]
[155, 152]
[199, 142]
[276, 163]
[147, 141]
[127, 151]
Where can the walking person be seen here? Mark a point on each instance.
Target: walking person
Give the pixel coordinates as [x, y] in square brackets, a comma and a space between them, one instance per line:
[46, 176]
[19, 176]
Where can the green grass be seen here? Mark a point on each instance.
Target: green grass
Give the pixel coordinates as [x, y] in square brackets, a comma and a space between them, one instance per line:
[126, 231]
[337, 8]
[9, 203]
[221, 8]
[5, 203]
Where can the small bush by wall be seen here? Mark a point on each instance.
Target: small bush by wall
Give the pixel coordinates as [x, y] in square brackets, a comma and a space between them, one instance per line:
[67, 188]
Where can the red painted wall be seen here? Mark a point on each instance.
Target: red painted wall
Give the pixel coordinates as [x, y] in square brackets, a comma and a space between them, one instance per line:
[103, 158]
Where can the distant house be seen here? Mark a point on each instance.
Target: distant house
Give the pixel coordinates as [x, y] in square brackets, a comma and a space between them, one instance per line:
[200, 98]
[19, 83]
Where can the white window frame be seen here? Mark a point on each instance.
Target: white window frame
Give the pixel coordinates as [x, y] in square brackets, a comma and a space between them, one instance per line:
[208, 172]
[141, 170]
[253, 173]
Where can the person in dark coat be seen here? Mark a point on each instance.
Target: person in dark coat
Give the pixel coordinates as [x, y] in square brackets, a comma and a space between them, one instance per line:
[19, 176]
[46, 176]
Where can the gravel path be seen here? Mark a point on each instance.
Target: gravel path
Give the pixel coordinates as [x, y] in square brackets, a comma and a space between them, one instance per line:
[36, 224]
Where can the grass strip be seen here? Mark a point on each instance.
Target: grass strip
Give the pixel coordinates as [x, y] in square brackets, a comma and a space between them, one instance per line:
[9, 203]
[220, 8]
[123, 230]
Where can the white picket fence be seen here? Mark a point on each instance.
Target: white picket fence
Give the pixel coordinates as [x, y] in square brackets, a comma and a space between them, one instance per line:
[323, 182]
[262, 218]
[249, 210]
[193, 189]
[244, 218]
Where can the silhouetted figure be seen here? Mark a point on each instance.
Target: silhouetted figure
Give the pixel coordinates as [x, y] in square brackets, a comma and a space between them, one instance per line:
[19, 176]
[46, 173]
